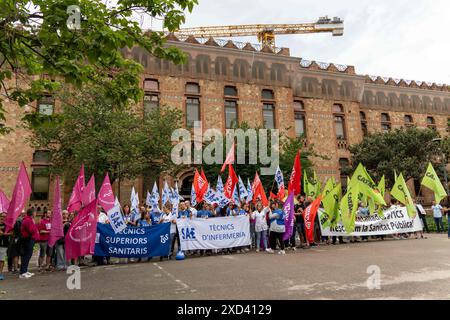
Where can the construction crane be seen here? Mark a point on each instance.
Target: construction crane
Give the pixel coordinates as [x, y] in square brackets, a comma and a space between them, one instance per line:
[266, 32]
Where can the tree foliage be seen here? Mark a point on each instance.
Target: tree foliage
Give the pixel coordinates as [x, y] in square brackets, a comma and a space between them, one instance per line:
[407, 151]
[105, 138]
[35, 40]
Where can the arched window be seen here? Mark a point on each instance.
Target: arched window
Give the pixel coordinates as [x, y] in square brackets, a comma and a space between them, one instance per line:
[277, 72]
[258, 70]
[202, 64]
[240, 69]
[221, 66]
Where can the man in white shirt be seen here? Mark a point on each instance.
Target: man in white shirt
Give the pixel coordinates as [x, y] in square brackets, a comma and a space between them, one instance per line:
[437, 215]
[191, 209]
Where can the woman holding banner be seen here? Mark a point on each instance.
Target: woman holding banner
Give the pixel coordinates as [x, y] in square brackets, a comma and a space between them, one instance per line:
[169, 217]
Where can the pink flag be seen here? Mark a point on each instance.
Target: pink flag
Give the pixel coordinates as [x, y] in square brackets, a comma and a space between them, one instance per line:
[80, 239]
[88, 194]
[75, 198]
[229, 159]
[288, 210]
[57, 230]
[21, 194]
[4, 202]
[105, 195]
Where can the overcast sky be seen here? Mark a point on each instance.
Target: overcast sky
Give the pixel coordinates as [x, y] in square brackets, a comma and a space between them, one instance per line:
[407, 39]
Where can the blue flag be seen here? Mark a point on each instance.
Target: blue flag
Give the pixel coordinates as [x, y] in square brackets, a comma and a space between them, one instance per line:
[249, 191]
[193, 197]
[219, 186]
[154, 200]
[166, 194]
[279, 178]
[236, 195]
[242, 190]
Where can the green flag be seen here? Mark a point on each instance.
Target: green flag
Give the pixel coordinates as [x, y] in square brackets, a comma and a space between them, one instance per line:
[382, 189]
[328, 187]
[330, 203]
[395, 175]
[349, 207]
[316, 186]
[306, 184]
[401, 193]
[431, 181]
[382, 186]
[366, 185]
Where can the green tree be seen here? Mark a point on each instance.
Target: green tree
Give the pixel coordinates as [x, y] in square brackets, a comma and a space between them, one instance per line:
[105, 138]
[35, 40]
[404, 150]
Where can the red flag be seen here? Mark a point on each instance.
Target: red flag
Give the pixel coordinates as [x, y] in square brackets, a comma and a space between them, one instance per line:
[272, 196]
[4, 202]
[296, 176]
[281, 193]
[229, 159]
[258, 191]
[57, 230]
[88, 194]
[20, 196]
[310, 216]
[200, 185]
[255, 184]
[80, 239]
[75, 197]
[261, 194]
[231, 182]
[105, 195]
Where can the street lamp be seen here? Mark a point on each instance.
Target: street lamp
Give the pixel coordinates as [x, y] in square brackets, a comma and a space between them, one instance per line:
[444, 165]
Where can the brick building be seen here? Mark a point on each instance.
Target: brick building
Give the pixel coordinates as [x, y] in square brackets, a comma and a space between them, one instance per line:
[225, 81]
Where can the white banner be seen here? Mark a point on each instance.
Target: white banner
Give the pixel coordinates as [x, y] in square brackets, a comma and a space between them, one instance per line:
[396, 220]
[116, 219]
[214, 233]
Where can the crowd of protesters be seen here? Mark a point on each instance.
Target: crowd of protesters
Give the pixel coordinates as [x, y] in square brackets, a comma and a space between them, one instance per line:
[267, 226]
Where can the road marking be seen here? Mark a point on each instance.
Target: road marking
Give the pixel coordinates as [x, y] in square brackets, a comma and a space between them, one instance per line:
[229, 257]
[184, 287]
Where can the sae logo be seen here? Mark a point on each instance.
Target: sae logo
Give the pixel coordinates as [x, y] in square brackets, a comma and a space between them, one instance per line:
[188, 233]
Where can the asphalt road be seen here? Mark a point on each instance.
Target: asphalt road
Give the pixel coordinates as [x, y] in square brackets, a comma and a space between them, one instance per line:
[409, 269]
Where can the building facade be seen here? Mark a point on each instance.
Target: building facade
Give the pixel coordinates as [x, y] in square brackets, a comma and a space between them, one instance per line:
[225, 82]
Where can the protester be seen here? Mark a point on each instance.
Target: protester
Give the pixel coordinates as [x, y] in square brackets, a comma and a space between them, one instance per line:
[59, 246]
[277, 229]
[423, 218]
[437, 215]
[259, 215]
[29, 235]
[145, 220]
[363, 211]
[4, 243]
[169, 217]
[192, 210]
[45, 252]
[127, 216]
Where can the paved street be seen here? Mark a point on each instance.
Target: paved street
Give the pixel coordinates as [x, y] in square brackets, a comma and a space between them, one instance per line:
[418, 269]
